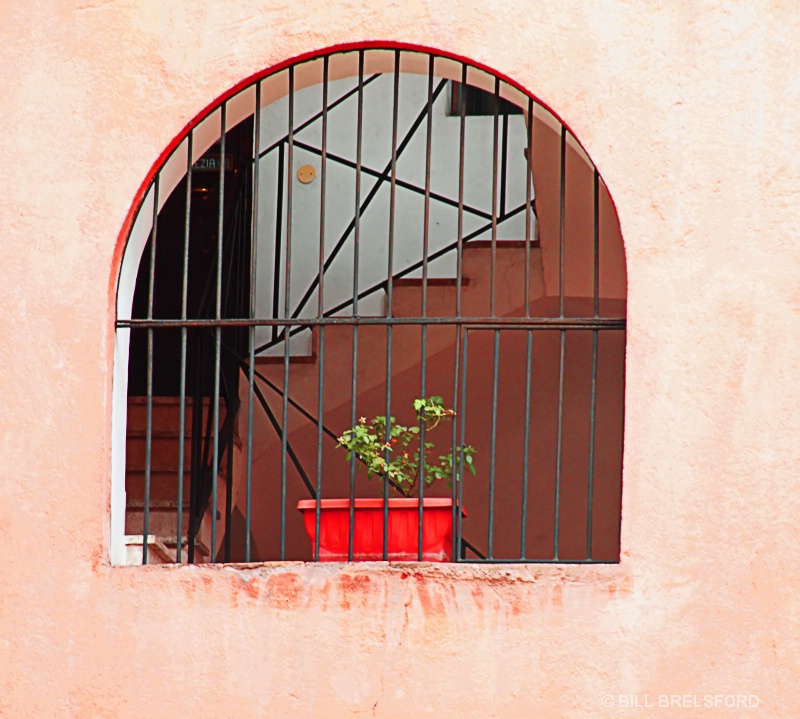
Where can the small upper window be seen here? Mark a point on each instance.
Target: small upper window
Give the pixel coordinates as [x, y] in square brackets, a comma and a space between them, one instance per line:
[476, 101]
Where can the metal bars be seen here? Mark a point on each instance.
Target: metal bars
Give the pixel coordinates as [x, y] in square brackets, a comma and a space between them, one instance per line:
[184, 339]
[611, 323]
[458, 463]
[593, 405]
[287, 311]
[356, 244]
[421, 478]
[475, 309]
[321, 302]
[149, 431]
[529, 334]
[562, 224]
[251, 337]
[390, 293]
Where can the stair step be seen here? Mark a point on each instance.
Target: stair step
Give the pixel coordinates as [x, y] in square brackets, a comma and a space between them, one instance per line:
[163, 400]
[293, 359]
[163, 487]
[432, 282]
[160, 524]
[162, 520]
[166, 413]
[164, 452]
[162, 549]
[500, 244]
[157, 552]
[158, 505]
[440, 300]
[173, 470]
[158, 434]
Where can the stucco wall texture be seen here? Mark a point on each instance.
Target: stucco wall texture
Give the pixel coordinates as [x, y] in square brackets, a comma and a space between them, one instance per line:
[689, 109]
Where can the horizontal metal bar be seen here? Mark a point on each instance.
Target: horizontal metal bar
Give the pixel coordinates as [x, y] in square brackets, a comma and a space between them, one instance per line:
[489, 323]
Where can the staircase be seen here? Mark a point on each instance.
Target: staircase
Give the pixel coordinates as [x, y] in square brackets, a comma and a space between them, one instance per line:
[407, 302]
[164, 459]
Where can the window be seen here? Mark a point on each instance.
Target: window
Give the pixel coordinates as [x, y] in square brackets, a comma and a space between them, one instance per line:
[476, 101]
[331, 243]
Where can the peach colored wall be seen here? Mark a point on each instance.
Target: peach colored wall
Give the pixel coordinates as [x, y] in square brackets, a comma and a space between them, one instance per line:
[688, 109]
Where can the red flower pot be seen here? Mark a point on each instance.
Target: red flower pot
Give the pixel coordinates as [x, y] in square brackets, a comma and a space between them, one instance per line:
[403, 529]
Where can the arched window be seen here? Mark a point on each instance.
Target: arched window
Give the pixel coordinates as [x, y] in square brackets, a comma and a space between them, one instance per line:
[371, 234]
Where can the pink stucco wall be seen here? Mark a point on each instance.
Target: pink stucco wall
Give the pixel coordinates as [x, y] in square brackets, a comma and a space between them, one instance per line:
[689, 111]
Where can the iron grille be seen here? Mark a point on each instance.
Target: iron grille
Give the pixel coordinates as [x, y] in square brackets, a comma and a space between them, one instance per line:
[332, 243]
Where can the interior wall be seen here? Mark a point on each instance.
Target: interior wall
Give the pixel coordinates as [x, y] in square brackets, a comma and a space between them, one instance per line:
[507, 441]
[376, 153]
[570, 175]
[687, 109]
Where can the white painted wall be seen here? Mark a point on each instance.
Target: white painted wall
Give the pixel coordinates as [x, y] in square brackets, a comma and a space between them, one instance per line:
[340, 194]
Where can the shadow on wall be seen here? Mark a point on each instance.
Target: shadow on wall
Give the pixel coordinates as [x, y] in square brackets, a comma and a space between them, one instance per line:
[509, 443]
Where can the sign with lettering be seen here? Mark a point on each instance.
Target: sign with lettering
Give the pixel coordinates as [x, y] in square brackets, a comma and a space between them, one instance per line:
[211, 163]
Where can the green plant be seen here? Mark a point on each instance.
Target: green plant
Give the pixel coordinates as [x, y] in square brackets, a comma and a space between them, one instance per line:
[395, 457]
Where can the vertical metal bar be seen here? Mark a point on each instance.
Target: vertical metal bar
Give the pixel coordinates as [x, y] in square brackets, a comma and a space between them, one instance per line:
[460, 234]
[184, 295]
[529, 348]
[528, 210]
[463, 423]
[251, 368]
[526, 446]
[562, 221]
[276, 284]
[197, 447]
[410, 134]
[492, 312]
[356, 258]
[593, 406]
[493, 446]
[286, 310]
[218, 333]
[456, 454]
[495, 142]
[563, 337]
[233, 284]
[228, 495]
[504, 165]
[424, 328]
[596, 242]
[321, 302]
[148, 447]
[390, 294]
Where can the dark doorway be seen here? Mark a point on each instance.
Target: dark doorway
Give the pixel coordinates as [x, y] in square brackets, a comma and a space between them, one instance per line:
[201, 279]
